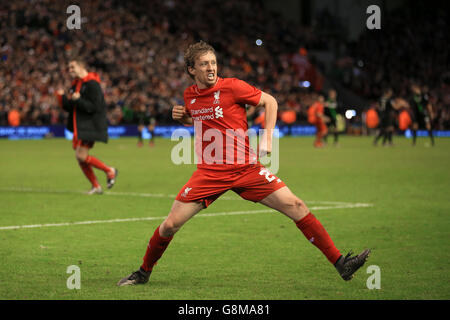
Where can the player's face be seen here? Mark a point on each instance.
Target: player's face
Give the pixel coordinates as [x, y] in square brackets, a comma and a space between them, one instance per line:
[415, 89]
[74, 69]
[205, 70]
[332, 94]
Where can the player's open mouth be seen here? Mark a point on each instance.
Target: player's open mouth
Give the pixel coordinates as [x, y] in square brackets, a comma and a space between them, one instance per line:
[210, 76]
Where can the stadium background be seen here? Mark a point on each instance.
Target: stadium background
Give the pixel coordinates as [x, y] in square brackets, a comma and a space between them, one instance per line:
[393, 200]
[304, 47]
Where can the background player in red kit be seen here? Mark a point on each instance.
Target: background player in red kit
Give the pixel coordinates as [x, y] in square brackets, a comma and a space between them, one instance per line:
[87, 120]
[215, 103]
[316, 116]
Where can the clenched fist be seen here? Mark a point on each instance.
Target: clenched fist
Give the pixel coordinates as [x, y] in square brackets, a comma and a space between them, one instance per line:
[75, 96]
[178, 113]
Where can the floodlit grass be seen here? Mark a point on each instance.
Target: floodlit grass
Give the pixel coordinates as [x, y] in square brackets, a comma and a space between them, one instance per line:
[243, 256]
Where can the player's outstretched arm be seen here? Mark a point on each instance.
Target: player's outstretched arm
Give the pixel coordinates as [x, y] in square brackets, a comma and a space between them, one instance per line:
[180, 114]
[271, 108]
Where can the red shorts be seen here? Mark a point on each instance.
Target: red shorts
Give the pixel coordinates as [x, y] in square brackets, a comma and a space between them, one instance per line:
[79, 143]
[253, 182]
[321, 127]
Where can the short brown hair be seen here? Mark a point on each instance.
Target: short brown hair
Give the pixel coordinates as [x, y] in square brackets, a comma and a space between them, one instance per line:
[193, 51]
[80, 61]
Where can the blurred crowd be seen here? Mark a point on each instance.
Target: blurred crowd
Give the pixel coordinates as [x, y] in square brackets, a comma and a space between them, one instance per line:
[411, 47]
[137, 48]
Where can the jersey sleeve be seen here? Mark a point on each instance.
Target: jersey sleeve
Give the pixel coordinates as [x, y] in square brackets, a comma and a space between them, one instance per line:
[245, 93]
[186, 104]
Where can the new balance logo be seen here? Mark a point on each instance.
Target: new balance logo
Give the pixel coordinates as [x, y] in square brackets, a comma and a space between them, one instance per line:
[219, 112]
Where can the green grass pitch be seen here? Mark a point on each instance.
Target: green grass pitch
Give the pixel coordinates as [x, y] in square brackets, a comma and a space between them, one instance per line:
[250, 254]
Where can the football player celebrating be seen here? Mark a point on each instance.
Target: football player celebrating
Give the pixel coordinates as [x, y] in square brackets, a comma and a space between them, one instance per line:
[331, 111]
[87, 120]
[218, 104]
[421, 112]
[387, 112]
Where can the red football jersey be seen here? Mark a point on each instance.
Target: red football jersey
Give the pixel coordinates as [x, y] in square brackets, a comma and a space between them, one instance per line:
[220, 120]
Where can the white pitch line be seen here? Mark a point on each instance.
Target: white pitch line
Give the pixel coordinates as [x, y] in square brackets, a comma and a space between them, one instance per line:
[144, 195]
[204, 215]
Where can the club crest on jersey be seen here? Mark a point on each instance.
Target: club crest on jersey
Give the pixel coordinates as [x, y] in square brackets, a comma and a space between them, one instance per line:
[217, 97]
[193, 101]
[186, 191]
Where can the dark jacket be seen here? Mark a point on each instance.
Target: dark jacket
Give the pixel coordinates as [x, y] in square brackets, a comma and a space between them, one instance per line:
[90, 122]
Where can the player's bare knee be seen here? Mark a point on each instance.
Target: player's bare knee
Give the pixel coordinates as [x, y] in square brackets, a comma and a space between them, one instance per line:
[80, 156]
[168, 228]
[299, 206]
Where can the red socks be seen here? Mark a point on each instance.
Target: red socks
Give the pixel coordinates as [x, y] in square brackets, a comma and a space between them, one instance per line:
[89, 173]
[155, 250]
[318, 236]
[309, 225]
[97, 163]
